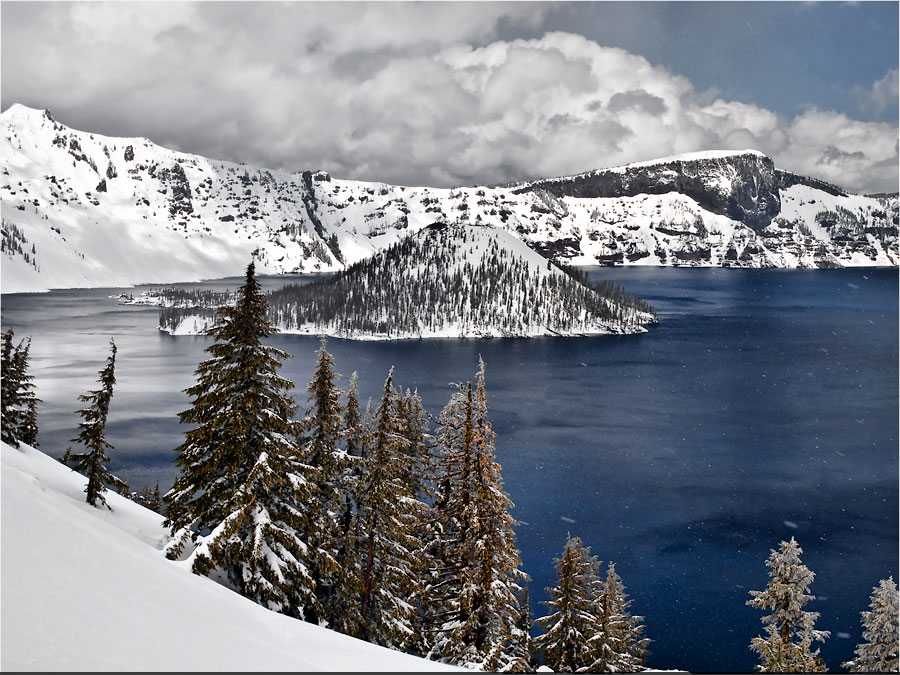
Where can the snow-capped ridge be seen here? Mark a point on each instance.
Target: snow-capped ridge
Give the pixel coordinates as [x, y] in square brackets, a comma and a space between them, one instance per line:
[82, 209]
[681, 158]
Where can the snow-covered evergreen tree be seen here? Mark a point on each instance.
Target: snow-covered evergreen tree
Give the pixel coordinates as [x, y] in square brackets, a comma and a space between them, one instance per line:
[19, 403]
[415, 430]
[790, 631]
[521, 648]
[439, 609]
[387, 513]
[243, 496]
[476, 531]
[342, 606]
[92, 436]
[573, 620]
[353, 428]
[321, 436]
[419, 444]
[618, 644]
[879, 652]
[322, 430]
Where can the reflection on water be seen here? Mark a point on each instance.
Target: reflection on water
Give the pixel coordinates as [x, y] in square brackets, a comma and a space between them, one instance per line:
[763, 406]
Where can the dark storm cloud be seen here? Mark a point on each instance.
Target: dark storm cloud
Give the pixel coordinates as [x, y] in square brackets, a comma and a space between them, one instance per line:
[414, 93]
[831, 154]
[639, 101]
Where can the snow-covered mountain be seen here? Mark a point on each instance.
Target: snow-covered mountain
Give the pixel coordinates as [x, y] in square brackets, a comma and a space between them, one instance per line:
[443, 281]
[82, 209]
[87, 589]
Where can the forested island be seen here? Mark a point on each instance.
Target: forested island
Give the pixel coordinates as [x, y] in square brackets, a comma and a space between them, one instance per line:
[444, 281]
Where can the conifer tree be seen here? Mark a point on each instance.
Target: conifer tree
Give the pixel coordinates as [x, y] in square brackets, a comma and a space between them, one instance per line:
[243, 496]
[19, 403]
[573, 620]
[879, 652]
[419, 478]
[322, 430]
[439, 608]
[342, 610]
[521, 648]
[790, 632]
[386, 514]
[414, 423]
[477, 530]
[617, 644]
[92, 436]
[10, 391]
[147, 497]
[353, 428]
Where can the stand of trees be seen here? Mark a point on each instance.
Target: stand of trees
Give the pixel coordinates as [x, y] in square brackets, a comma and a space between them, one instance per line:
[366, 523]
[589, 627]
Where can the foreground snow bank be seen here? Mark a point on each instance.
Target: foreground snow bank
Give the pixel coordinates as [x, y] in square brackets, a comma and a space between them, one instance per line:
[88, 589]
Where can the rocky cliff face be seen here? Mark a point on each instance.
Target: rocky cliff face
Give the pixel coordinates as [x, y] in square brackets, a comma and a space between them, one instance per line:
[743, 186]
[83, 209]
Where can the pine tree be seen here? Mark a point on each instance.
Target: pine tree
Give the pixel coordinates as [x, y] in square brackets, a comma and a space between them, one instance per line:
[19, 403]
[790, 632]
[439, 608]
[322, 430]
[879, 652]
[9, 390]
[387, 512]
[352, 429]
[93, 462]
[243, 497]
[419, 467]
[573, 621]
[489, 572]
[617, 644]
[521, 648]
[414, 423]
[342, 609]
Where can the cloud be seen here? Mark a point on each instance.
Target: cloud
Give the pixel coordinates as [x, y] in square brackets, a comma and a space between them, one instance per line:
[859, 156]
[880, 98]
[637, 99]
[410, 93]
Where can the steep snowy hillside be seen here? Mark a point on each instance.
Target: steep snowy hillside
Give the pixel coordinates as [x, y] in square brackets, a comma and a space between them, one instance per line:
[87, 589]
[83, 209]
[443, 281]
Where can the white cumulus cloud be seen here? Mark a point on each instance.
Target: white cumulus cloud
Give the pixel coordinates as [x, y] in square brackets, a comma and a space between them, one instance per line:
[412, 93]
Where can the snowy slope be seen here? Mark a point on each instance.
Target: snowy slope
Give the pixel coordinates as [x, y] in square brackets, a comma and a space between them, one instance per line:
[83, 210]
[87, 589]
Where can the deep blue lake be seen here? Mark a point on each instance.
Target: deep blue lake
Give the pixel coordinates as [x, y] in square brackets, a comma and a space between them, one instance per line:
[764, 406]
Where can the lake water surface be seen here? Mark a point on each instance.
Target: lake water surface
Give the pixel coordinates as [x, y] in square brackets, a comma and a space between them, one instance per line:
[763, 406]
